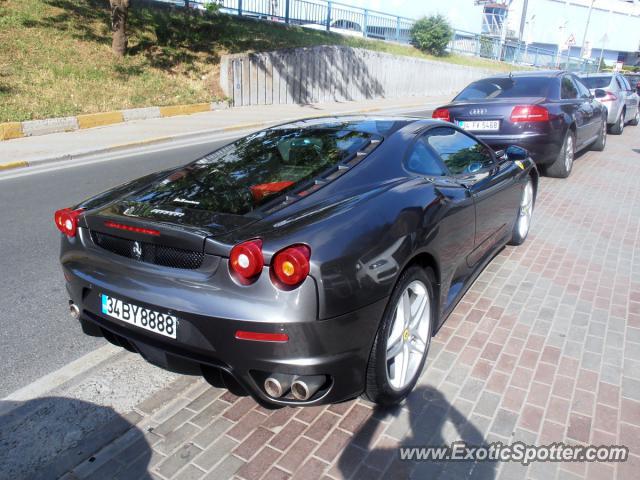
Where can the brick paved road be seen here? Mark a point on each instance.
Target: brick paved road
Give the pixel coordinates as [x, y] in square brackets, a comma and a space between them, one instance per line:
[544, 348]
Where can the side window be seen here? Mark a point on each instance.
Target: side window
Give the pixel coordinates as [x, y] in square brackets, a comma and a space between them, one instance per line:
[568, 89]
[620, 84]
[459, 152]
[625, 84]
[423, 160]
[582, 90]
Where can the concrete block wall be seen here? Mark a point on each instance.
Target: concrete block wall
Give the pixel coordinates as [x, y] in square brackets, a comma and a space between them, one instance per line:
[335, 73]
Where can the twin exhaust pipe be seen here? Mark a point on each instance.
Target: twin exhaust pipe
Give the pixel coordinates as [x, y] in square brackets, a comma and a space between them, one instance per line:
[301, 387]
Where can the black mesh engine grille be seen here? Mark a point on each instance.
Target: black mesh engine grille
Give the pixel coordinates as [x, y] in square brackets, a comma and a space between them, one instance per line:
[149, 252]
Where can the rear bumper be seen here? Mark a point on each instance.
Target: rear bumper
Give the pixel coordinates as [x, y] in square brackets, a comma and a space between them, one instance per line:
[543, 147]
[338, 347]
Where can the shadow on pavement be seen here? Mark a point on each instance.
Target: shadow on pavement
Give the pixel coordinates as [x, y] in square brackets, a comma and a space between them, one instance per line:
[47, 437]
[432, 421]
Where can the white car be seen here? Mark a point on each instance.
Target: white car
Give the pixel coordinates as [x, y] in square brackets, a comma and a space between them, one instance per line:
[343, 27]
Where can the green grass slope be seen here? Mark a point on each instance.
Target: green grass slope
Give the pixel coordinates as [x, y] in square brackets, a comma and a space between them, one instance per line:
[55, 56]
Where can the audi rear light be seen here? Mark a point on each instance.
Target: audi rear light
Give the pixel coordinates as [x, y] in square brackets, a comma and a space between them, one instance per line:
[67, 220]
[529, 113]
[246, 260]
[441, 114]
[291, 266]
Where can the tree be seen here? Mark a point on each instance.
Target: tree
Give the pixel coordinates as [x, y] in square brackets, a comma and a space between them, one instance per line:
[432, 34]
[119, 14]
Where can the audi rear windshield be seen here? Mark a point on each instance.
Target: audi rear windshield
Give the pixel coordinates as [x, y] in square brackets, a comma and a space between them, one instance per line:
[508, 87]
[596, 82]
[250, 172]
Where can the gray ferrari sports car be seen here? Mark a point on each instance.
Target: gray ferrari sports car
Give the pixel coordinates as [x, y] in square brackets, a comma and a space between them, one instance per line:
[307, 263]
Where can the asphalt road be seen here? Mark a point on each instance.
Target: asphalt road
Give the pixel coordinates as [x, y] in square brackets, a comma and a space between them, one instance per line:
[37, 335]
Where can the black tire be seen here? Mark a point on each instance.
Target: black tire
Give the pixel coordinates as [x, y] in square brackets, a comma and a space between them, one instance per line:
[378, 389]
[601, 142]
[636, 119]
[561, 167]
[618, 127]
[518, 236]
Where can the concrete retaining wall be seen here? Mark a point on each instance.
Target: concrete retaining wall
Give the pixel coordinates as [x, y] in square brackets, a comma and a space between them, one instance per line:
[334, 73]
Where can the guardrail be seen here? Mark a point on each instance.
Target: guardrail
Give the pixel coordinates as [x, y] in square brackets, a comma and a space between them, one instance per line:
[349, 20]
[468, 43]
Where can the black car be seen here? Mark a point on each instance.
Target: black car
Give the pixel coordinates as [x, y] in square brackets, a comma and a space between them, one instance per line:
[550, 113]
[306, 263]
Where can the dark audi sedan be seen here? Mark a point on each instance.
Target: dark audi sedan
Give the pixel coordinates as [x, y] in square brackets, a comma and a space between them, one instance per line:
[550, 113]
[304, 264]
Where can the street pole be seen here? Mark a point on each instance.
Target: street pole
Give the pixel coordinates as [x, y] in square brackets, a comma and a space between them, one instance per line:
[586, 28]
[523, 19]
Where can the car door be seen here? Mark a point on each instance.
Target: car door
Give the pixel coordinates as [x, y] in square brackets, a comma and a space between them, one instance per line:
[453, 212]
[630, 98]
[585, 95]
[492, 184]
[577, 108]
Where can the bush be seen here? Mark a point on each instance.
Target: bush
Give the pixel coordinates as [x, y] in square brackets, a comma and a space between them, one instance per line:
[432, 34]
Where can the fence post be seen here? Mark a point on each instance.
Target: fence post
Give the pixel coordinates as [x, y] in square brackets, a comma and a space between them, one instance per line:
[366, 23]
[535, 59]
[397, 29]
[286, 12]
[240, 7]
[328, 16]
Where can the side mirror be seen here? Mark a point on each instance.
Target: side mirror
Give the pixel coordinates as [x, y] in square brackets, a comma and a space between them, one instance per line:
[600, 93]
[514, 152]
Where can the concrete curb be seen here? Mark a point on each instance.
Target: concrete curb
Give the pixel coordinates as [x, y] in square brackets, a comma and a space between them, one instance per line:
[29, 128]
[194, 135]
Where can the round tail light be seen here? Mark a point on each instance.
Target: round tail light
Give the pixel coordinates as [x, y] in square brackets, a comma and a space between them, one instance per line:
[246, 260]
[67, 221]
[291, 265]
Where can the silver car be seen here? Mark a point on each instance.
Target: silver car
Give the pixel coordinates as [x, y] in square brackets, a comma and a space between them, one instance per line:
[620, 99]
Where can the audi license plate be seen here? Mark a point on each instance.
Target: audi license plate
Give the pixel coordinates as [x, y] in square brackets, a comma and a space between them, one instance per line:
[480, 125]
[160, 323]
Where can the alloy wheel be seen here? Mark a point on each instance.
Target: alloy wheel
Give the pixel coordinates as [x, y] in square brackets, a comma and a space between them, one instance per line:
[526, 210]
[409, 335]
[569, 153]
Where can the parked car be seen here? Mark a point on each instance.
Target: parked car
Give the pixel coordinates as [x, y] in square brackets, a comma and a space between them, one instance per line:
[341, 26]
[619, 98]
[550, 113]
[247, 265]
[634, 81]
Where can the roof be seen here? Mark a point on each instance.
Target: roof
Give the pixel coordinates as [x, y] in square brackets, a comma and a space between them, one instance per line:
[375, 125]
[532, 73]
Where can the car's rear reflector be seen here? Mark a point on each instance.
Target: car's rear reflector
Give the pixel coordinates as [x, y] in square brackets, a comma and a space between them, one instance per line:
[262, 337]
[246, 260]
[291, 266]
[529, 113]
[441, 114]
[130, 228]
[67, 221]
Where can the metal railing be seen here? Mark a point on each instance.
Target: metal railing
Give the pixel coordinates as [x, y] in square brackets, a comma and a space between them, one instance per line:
[519, 53]
[349, 20]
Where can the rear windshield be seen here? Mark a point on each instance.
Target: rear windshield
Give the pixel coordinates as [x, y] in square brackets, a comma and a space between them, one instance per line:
[506, 88]
[254, 170]
[596, 82]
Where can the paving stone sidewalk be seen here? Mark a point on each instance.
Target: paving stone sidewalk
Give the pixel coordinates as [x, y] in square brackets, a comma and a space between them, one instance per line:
[544, 348]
